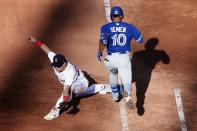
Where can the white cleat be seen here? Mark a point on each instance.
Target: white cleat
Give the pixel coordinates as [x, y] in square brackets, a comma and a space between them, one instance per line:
[54, 113]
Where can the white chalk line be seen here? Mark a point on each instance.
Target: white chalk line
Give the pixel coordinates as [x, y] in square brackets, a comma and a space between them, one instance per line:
[179, 104]
[123, 116]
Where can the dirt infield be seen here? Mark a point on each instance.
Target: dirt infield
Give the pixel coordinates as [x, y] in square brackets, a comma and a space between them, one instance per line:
[28, 87]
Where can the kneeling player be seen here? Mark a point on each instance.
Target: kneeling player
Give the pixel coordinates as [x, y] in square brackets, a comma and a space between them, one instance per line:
[75, 84]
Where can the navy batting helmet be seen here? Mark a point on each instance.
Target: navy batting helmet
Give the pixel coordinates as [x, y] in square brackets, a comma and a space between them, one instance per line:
[58, 60]
[117, 11]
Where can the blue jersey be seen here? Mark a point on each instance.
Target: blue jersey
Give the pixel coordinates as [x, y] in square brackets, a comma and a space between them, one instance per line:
[117, 36]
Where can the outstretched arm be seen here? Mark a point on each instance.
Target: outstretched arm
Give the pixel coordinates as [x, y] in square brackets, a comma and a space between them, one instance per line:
[40, 44]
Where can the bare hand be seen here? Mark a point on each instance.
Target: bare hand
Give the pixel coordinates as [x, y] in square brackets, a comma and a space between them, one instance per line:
[32, 39]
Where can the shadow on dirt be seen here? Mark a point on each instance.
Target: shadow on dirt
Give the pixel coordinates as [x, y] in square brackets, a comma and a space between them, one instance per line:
[64, 15]
[20, 92]
[21, 98]
[19, 84]
[90, 79]
[71, 107]
[143, 62]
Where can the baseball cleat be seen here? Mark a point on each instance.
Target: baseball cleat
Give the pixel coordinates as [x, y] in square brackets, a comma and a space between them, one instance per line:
[119, 98]
[129, 102]
[54, 113]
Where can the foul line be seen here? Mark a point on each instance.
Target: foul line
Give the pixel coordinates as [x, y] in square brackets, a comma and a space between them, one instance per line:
[123, 116]
[180, 109]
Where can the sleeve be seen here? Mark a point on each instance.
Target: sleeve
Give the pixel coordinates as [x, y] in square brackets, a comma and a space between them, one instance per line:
[104, 36]
[137, 35]
[51, 55]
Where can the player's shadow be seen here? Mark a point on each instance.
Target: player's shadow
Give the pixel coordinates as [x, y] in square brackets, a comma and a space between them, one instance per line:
[143, 62]
[73, 105]
[90, 79]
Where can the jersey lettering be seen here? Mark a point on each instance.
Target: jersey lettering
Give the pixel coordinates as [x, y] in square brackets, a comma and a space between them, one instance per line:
[120, 39]
[118, 29]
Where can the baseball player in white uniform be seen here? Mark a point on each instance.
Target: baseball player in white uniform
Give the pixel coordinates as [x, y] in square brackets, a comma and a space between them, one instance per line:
[75, 84]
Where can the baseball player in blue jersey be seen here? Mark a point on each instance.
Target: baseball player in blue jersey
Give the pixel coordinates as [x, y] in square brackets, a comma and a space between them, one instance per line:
[116, 37]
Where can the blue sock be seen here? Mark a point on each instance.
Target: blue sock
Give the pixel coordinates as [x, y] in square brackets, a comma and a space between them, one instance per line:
[115, 92]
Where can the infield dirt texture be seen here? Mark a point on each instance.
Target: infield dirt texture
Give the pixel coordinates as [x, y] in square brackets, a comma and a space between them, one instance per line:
[29, 88]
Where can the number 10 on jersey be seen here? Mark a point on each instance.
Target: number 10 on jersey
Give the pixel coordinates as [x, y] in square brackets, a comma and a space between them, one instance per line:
[119, 39]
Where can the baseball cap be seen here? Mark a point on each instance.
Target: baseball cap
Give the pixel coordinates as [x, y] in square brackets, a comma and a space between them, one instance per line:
[58, 60]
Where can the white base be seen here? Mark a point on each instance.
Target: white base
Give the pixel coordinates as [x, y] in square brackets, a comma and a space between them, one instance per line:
[106, 90]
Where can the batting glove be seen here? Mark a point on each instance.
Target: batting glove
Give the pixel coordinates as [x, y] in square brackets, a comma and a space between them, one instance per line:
[99, 55]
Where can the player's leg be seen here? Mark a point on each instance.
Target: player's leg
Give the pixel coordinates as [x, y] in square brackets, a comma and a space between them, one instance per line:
[82, 88]
[125, 74]
[113, 76]
[126, 78]
[92, 89]
[113, 80]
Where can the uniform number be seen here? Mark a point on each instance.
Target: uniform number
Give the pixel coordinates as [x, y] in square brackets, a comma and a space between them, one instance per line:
[119, 39]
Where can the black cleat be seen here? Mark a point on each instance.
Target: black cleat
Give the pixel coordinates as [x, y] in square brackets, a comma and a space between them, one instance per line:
[119, 98]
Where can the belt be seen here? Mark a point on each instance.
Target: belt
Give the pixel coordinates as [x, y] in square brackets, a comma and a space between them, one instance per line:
[110, 53]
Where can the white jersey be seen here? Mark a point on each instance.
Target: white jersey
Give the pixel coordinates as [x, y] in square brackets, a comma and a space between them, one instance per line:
[71, 76]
